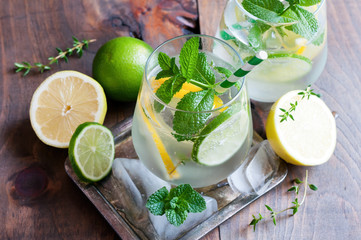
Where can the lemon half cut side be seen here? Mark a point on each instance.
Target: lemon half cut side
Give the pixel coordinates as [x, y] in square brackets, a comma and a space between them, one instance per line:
[62, 102]
[309, 139]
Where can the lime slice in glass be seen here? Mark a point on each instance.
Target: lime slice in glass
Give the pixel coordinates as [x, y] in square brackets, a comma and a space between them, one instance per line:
[282, 67]
[222, 137]
[91, 151]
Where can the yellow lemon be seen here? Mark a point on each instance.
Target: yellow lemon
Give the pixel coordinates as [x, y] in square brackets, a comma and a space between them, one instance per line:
[62, 102]
[310, 138]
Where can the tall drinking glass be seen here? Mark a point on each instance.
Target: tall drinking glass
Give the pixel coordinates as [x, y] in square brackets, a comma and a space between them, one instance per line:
[198, 157]
[295, 59]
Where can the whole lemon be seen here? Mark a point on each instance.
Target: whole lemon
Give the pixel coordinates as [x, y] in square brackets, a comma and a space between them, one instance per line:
[119, 65]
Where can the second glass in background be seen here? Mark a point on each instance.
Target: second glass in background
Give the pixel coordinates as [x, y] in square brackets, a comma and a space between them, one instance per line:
[294, 61]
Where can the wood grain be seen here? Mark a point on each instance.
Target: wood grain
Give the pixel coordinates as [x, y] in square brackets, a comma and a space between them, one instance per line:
[333, 212]
[210, 13]
[39, 201]
[37, 198]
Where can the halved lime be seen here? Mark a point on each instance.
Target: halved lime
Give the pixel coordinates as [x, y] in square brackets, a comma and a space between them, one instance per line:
[282, 67]
[91, 151]
[222, 137]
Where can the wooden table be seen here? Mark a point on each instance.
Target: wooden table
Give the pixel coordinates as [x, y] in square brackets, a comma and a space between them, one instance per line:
[39, 201]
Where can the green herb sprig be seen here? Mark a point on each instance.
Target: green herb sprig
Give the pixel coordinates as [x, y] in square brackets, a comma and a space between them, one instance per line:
[193, 68]
[295, 202]
[78, 48]
[305, 94]
[176, 204]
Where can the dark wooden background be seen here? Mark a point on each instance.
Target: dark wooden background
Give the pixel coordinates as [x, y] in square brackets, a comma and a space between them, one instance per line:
[39, 201]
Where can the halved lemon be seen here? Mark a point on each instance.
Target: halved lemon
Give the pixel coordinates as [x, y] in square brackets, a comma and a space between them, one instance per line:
[62, 102]
[309, 139]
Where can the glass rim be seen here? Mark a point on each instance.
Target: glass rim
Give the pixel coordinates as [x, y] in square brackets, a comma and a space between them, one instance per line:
[241, 80]
[239, 5]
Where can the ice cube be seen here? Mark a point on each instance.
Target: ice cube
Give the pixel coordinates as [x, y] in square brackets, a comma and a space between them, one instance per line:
[122, 174]
[261, 169]
[144, 180]
[166, 230]
[258, 170]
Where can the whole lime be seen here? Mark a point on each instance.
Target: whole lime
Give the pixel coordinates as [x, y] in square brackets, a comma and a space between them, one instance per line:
[119, 65]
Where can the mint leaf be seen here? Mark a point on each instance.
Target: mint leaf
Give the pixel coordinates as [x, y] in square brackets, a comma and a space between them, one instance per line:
[164, 74]
[203, 72]
[176, 204]
[307, 3]
[188, 124]
[174, 66]
[185, 192]
[281, 31]
[169, 68]
[176, 217]
[188, 57]
[164, 61]
[255, 37]
[196, 202]
[226, 36]
[319, 40]
[268, 10]
[227, 73]
[156, 202]
[306, 24]
[167, 90]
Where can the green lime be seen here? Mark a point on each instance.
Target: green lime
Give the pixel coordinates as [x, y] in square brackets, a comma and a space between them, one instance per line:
[222, 137]
[91, 151]
[119, 65]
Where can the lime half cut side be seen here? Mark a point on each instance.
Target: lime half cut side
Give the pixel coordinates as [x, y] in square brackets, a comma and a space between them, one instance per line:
[282, 67]
[91, 151]
[222, 137]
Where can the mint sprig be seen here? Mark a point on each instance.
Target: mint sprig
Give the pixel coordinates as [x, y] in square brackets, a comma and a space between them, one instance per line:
[306, 25]
[301, 21]
[193, 68]
[176, 204]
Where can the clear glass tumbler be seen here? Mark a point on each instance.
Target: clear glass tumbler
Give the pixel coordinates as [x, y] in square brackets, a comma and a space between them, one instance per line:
[200, 148]
[296, 60]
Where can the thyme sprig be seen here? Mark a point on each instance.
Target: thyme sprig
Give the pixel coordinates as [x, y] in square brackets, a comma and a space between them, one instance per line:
[78, 48]
[294, 207]
[305, 94]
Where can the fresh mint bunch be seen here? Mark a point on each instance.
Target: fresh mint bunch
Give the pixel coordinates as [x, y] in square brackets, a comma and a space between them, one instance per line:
[301, 21]
[194, 68]
[176, 204]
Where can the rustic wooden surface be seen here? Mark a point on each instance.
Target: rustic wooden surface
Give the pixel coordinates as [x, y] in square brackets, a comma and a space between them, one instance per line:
[39, 201]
